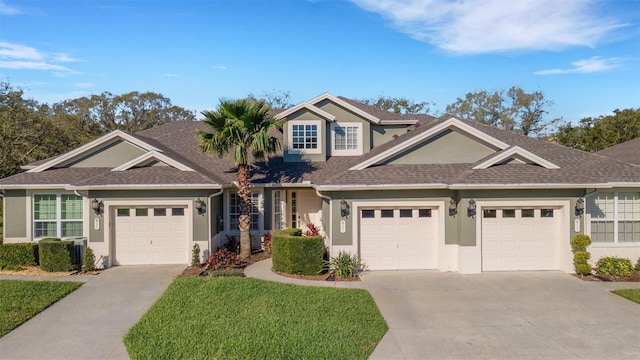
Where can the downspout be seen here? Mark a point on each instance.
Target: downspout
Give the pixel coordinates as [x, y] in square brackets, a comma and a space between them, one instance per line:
[3, 210]
[327, 197]
[209, 209]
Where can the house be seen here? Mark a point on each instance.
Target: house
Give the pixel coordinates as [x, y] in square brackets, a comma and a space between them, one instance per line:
[400, 191]
[628, 151]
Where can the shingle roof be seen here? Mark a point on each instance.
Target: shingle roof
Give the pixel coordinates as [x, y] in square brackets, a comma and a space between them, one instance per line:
[178, 141]
[628, 151]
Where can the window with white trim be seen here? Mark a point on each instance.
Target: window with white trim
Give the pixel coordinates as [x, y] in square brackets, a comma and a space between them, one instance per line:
[615, 217]
[277, 210]
[346, 139]
[57, 215]
[304, 137]
[234, 211]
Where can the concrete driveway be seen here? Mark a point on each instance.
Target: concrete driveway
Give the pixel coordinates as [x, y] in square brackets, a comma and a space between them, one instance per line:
[90, 322]
[524, 315]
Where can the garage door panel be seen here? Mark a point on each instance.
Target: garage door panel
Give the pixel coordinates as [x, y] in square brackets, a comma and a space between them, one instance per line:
[157, 238]
[522, 241]
[404, 241]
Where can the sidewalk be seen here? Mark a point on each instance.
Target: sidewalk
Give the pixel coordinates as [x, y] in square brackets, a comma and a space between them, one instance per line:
[262, 270]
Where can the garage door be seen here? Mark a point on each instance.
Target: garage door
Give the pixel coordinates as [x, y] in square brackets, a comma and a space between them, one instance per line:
[150, 235]
[521, 238]
[398, 238]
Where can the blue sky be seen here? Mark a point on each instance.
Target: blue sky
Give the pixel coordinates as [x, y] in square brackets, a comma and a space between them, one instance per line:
[584, 55]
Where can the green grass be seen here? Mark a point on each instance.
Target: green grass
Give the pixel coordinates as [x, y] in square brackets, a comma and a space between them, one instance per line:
[22, 300]
[631, 294]
[244, 318]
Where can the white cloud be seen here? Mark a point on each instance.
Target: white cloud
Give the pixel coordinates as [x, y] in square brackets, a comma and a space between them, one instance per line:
[17, 51]
[32, 65]
[486, 26]
[64, 58]
[220, 67]
[585, 66]
[8, 10]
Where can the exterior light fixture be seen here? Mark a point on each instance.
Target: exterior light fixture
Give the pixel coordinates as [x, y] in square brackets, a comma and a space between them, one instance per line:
[201, 207]
[344, 208]
[471, 209]
[579, 206]
[96, 206]
[453, 207]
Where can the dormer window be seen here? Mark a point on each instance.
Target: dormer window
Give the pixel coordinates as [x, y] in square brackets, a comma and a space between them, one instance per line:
[304, 137]
[346, 139]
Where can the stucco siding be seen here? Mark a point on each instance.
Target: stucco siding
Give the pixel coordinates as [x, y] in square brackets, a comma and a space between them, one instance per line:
[15, 214]
[449, 147]
[381, 134]
[112, 155]
[305, 115]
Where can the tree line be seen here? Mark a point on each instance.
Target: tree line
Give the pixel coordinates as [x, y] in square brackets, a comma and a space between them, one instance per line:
[30, 131]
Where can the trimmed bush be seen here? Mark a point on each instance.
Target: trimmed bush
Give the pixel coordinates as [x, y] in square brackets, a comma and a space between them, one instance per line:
[638, 265]
[580, 242]
[614, 266]
[581, 256]
[89, 260]
[19, 254]
[295, 254]
[195, 255]
[57, 255]
[344, 265]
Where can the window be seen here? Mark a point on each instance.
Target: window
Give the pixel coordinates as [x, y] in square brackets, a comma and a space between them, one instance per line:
[304, 137]
[177, 212]
[368, 214]
[346, 138]
[142, 212]
[234, 211]
[122, 212]
[615, 217]
[277, 210]
[386, 213]
[546, 213]
[57, 215]
[159, 212]
[508, 213]
[489, 213]
[406, 213]
[527, 213]
[424, 213]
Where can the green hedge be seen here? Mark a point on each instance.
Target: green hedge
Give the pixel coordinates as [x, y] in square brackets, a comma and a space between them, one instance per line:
[294, 254]
[57, 255]
[612, 265]
[19, 254]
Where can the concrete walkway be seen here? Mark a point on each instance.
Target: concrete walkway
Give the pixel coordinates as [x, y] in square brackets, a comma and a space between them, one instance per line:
[262, 270]
[90, 322]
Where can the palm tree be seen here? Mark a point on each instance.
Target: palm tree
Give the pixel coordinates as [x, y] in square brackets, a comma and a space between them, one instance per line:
[242, 128]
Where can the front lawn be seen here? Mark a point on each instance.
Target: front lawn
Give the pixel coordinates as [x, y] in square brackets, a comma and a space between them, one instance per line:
[244, 318]
[631, 294]
[22, 300]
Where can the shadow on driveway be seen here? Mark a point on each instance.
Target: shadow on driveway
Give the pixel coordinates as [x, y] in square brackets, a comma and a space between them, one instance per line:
[90, 322]
[510, 315]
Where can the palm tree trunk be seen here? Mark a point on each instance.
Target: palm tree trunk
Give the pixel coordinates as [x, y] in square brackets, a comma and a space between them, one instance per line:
[244, 218]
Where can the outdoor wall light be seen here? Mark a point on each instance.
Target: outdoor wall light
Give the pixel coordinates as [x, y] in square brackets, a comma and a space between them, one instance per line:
[471, 209]
[579, 206]
[96, 206]
[201, 206]
[453, 207]
[344, 208]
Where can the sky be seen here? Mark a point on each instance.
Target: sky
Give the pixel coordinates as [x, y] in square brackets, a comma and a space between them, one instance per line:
[583, 55]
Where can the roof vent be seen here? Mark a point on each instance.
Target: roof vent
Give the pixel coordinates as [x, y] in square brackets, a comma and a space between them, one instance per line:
[395, 136]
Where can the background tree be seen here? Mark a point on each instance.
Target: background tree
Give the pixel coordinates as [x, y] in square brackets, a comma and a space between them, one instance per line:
[594, 134]
[399, 105]
[513, 109]
[276, 99]
[240, 127]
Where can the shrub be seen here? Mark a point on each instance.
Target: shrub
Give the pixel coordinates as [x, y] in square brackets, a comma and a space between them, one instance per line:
[266, 242]
[232, 244]
[312, 230]
[345, 265]
[56, 255]
[583, 268]
[10, 267]
[614, 266]
[580, 242]
[19, 254]
[195, 255]
[638, 265]
[581, 257]
[89, 261]
[224, 259]
[294, 254]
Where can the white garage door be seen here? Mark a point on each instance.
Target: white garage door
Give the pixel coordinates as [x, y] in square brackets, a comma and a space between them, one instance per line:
[521, 238]
[150, 235]
[399, 238]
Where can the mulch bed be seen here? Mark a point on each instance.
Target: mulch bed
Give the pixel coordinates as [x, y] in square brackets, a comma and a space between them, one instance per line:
[197, 270]
[635, 277]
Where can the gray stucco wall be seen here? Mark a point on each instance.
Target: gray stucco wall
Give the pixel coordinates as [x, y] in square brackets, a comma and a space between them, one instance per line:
[113, 155]
[15, 210]
[381, 134]
[450, 147]
[305, 115]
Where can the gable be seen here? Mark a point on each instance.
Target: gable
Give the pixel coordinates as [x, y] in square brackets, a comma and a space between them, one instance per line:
[110, 155]
[341, 113]
[447, 147]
